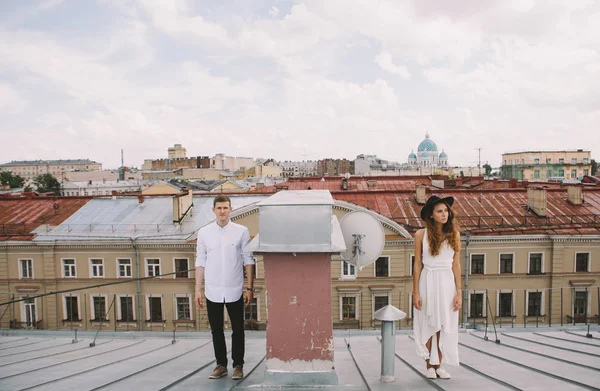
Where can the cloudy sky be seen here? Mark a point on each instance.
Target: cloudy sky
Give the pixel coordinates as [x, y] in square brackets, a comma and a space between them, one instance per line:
[297, 79]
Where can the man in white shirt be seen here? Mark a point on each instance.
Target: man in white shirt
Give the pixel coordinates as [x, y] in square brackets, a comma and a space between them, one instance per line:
[221, 257]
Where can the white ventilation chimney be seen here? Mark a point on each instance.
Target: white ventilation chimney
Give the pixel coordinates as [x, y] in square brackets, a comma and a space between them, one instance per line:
[182, 203]
[536, 200]
[575, 195]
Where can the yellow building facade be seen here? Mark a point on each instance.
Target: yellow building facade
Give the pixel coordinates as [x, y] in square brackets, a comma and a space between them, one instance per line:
[545, 165]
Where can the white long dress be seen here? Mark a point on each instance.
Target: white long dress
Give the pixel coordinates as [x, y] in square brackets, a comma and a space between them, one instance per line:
[437, 289]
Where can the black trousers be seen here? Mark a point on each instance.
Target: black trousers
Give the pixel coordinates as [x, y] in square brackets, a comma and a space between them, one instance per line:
[216, 321]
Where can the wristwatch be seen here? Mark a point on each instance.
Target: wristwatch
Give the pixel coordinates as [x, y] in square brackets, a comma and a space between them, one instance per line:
[250, 289]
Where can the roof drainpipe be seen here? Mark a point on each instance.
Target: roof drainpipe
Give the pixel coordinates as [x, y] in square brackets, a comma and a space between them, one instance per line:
[466, 287]
[138, 284]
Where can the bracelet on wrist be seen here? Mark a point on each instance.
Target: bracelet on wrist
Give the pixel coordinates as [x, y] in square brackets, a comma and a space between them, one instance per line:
[250, 289]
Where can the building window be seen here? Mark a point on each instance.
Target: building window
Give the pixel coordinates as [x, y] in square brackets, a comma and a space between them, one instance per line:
[184, 305]
[534, 303]
[561, 173]
[97, 266]
[536, 161]
[348, 270]
[412, 264]
[124, 267]
[154, 309]
[380, 302]
[152, 267]
[477, 305]
[477, 263]
[549, 174]
[348, 307]
[586, 171]
[573, 160]
[561, 160]
[573, 174]
[506, 263]
[99, 308]
[536, 174]
[382, 267]
[181, 268]
[71, 308]
[505, 304]
[26, 268]
[582, 262]
[69, 268]
[535, 263]
[251, 311]
[126, 309]
[548, 160]
[29, 311]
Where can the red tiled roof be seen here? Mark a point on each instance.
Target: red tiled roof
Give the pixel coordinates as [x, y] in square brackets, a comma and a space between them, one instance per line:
[19, 216]
[492, 211]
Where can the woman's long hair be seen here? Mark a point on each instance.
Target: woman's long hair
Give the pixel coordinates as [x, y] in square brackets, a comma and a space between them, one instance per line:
[449, 232]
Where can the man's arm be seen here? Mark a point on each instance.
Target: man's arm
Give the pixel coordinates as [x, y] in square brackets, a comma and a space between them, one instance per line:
[248, 260]
[200, 264]
[199, 280]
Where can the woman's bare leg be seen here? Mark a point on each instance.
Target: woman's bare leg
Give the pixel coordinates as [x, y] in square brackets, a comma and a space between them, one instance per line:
[428, 346]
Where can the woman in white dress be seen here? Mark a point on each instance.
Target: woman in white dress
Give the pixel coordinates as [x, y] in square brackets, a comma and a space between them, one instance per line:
[437, 287]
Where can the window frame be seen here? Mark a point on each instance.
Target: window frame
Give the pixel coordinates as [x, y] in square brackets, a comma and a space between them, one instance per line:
[471, 264]
[349, 276]
[187, 273]
[119, 308]
[30, 272]
[92, 267]
[119, 268]
[176, 308]
[542, 307]
[512, 263]
[356, 307]
[512, 303]
[484, 310]
[64, 307]
[373, 296]
[411, 264]
[257, 298]
[73, 267]
[162, 308]
[529, 263]
[93, 309]
[589, 261]
[154, 268]
[388, 267]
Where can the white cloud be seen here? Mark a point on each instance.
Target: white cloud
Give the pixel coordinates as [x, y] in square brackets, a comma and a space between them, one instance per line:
[385, 61]
[10, 101]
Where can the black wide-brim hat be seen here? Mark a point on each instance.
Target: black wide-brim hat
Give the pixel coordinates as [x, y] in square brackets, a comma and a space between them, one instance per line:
[431, 202]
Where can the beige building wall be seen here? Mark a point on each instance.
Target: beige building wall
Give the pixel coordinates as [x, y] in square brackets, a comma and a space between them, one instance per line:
[161, 188]
[362, 287]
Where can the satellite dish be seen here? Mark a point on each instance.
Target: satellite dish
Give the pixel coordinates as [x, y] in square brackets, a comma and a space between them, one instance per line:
[364, 238]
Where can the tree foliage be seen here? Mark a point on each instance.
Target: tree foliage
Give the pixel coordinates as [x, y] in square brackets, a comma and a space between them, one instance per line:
[488, 169]
[13, 181]
[594, 167]
[46, 183]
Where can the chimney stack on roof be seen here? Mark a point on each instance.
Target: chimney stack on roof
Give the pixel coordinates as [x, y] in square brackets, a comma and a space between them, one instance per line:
[575, 194]
[536, 200]
[421, 194]
[141, 199]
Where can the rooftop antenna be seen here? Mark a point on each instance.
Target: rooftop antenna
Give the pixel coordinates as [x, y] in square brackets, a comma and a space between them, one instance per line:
[479, 162]
[122, 160]
[305, 155]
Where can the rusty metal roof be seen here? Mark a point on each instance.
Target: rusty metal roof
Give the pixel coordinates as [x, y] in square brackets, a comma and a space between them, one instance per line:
[20, 217]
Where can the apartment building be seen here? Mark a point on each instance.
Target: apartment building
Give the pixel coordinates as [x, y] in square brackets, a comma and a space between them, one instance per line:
[298, 168]
[531, 256]
[546, 165]
[29, 169]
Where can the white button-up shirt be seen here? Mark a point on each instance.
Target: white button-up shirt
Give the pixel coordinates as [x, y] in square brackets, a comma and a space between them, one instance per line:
[222, 252]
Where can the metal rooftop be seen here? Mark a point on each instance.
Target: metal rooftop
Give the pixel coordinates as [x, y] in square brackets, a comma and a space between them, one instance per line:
[127, 217]
[545, 359]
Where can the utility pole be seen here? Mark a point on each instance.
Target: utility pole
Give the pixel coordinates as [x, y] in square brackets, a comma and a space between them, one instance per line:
[479, 162]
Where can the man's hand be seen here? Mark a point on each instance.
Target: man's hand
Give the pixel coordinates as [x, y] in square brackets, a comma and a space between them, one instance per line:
[199, 299]
[248, 295]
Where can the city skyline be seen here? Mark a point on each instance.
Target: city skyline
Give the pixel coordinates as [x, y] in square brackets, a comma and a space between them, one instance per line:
[296, 80]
